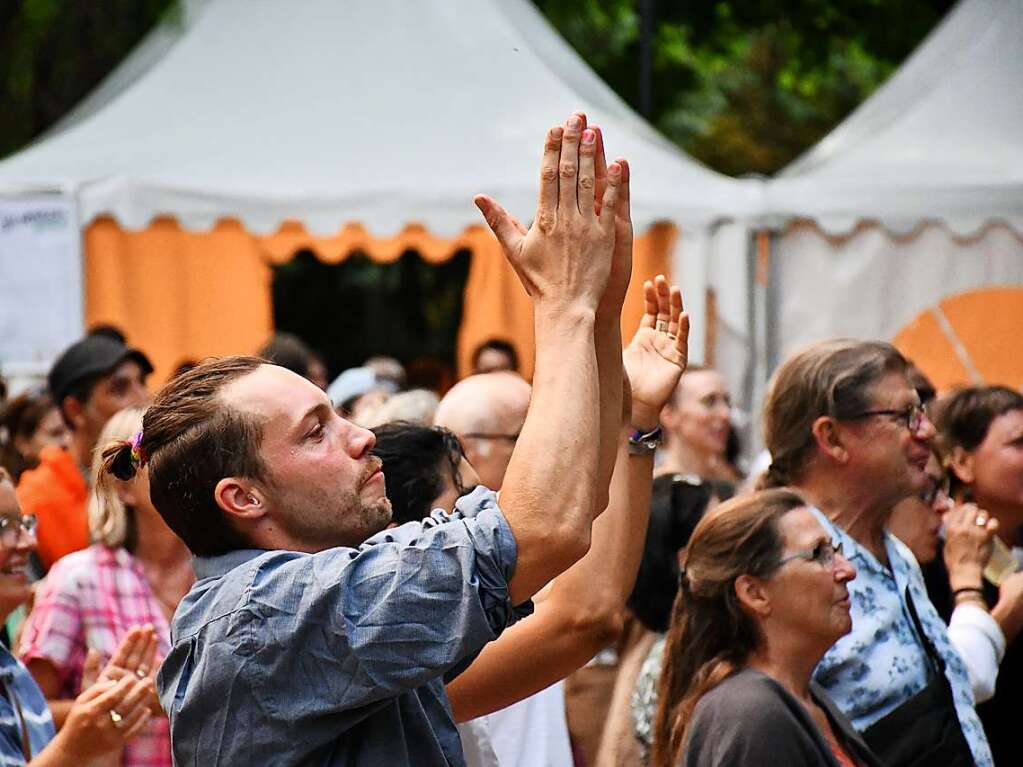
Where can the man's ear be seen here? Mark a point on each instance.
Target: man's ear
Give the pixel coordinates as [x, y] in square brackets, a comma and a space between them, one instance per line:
[828, 437]
[752, 595]
[73, 411]
[963, 465]
[240, 498]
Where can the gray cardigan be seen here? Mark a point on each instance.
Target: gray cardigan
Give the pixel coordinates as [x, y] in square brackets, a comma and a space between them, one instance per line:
[750, 720]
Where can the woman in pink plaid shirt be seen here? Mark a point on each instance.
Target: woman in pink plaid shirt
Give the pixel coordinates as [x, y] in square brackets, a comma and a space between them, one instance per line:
[134, 575]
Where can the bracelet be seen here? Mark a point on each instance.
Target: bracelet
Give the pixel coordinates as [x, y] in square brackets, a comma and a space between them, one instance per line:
[641, 443]
[969, 590]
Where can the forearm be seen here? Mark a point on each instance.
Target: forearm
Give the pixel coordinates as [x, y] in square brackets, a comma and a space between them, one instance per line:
[549, 489]
[582, 613]
[608, 345]
[602, 580]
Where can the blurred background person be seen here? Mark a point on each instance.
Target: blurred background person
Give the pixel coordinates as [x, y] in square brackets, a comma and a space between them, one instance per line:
[487, 412]
[291, 352]
[763, 596]
[417, 406]
[981, 431]
[493, 355]
[697, 425]
[358, 392]
[90, 381]
[105, 716]
[134, 575]
[28, 423]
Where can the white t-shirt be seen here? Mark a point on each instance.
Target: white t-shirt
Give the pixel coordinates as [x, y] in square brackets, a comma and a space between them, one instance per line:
[530, 733]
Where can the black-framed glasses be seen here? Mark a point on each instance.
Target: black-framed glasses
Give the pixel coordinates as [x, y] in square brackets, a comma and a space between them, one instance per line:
[482, 435]
[12, 529]
[936, 488]
[912, 417]
[823, 554]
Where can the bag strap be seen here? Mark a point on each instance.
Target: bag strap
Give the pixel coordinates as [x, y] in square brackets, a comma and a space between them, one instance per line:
[12, 695]
[932, 652]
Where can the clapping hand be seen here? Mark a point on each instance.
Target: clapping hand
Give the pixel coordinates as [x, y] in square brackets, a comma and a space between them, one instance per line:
[657, 355]
[134, 657]
[565, 257]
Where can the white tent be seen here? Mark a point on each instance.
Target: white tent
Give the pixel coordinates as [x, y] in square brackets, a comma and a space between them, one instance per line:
[916, 197]
[376, 111]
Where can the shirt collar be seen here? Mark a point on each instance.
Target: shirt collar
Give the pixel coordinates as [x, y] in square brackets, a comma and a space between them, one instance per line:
[221, 564]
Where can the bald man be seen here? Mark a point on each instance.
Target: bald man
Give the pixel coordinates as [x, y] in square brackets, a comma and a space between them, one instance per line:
[487, 412]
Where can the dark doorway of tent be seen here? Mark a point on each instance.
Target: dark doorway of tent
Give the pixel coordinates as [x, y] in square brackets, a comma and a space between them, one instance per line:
[347, 312]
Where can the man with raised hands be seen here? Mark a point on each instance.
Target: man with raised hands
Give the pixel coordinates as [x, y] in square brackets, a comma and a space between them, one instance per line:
[314, 635]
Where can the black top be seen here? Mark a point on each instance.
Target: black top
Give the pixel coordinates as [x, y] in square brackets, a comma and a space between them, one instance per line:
[1001, 714]
[750, 719]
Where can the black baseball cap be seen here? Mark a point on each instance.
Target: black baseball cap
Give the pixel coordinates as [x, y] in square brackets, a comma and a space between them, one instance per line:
[93, 355]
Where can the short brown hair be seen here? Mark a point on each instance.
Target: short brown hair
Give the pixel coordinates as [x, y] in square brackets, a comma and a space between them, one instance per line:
[964, 417]
[191, 440]
[830, 378]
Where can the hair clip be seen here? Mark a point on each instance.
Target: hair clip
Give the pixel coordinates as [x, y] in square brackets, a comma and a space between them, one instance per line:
[138, 453]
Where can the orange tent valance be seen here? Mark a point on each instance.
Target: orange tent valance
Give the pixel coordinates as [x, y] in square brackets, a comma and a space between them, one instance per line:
[181, 294]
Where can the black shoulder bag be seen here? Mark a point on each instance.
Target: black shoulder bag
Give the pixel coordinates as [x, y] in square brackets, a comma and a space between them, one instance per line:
[925, 730]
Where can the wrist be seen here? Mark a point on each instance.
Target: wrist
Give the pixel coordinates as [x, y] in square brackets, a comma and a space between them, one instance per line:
[644, 418]
[966, 578]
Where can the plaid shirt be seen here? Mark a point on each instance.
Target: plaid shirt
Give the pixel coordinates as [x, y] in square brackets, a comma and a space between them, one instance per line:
[91, 599]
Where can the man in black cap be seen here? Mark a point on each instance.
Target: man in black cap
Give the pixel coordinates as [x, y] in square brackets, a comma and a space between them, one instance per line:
[93, 379]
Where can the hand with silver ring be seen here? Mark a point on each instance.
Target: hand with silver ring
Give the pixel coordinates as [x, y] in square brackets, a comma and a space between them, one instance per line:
[661, 326]
[102, 719]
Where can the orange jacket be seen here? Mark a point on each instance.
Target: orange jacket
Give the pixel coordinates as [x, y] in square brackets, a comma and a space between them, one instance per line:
[56, 492]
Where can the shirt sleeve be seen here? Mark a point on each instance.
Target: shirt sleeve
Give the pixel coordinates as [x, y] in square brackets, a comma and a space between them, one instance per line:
[980, 641]
[53, 630]
[398, 612]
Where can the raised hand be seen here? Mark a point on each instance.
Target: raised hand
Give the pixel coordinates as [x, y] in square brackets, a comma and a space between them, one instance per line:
[565, 257]
[657, 355]
[967, 544]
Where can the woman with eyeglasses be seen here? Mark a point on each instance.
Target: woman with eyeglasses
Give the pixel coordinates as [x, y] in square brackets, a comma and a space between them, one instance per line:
[763, 596]
[110, 711]
[981, 430]
[952, 547]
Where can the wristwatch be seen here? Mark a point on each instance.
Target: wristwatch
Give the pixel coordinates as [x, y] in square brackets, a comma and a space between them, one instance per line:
[644, 443]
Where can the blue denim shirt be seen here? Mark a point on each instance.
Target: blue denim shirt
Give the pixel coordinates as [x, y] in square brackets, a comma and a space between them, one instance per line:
[881, 663]
[340, 657]
[38, 722]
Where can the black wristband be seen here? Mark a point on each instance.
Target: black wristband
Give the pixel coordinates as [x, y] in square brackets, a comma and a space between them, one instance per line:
[968, 590]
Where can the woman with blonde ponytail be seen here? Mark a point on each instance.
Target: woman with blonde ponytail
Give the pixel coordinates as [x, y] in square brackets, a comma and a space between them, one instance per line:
[763, 596]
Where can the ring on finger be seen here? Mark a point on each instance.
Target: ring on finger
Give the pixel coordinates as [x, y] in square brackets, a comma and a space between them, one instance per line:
[116, 718]
[661, 326]
[141, 672]
[672, 336]
[981, 520]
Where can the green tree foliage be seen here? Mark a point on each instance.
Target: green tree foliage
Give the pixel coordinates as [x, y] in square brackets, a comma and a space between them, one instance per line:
[55, 51]
[747, 86]
[743, 85]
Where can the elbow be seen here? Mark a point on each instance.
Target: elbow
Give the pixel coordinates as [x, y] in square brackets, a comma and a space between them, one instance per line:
[569, 543]
[596, 629]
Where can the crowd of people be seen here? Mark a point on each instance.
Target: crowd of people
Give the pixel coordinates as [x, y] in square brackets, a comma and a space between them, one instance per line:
[257, 565]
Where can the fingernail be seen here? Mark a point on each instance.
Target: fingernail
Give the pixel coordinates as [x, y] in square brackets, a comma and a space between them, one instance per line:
[588, 136]
[614, 168]
[574, 122]
[556, 132]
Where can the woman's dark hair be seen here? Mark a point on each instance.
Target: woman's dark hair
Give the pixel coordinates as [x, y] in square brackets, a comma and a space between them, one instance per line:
[498, 345]
[711, 635]
[831, 378]
[190, 441]
[21, 417]
[677, 503]
[416, 459]
[290, 352]
[964, 417]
